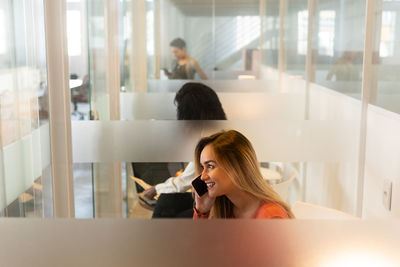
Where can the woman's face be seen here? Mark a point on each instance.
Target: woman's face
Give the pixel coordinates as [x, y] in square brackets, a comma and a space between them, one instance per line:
[217, 180]
[178, 53]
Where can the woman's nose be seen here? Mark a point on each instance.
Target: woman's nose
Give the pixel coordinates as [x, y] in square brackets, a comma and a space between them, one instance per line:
[204, 175]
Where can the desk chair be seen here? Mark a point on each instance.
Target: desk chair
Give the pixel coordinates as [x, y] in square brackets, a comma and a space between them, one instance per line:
[80, 94]
[283, 188]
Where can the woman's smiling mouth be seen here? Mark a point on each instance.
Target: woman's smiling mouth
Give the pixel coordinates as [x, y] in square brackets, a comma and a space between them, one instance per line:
[210, 185]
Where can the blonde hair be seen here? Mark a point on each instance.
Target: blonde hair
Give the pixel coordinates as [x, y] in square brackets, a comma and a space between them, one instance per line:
[235, 154]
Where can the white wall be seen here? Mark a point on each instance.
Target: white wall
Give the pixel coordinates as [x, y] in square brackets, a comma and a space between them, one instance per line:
[382, 162]
[336, 179]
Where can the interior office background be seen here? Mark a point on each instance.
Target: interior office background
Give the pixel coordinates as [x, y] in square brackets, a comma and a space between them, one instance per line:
[269, 62]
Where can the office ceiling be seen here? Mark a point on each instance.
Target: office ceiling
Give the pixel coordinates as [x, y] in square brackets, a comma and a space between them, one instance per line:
[222, 7]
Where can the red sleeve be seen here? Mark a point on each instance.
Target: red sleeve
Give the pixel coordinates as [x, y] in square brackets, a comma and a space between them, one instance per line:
[271, 211]
[198, 215]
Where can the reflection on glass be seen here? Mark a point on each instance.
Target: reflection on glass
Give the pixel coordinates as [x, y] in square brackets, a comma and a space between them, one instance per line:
[25, 177]
[296, 29]
[271, 33]
[3, 39]
[302, 30]
[326, 33]
[338, 44]
[385, 81]
[388, 30]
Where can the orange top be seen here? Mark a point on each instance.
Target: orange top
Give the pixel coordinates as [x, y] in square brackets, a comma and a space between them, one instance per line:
[265, 211]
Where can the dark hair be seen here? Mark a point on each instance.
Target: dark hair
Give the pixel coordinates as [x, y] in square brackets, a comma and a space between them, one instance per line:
[178, 42]
[196, 101]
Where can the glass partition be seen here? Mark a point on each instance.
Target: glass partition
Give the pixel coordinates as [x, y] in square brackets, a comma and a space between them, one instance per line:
[78, 58]
[99, 184]
[385, 79]
[338, 45]
[271, 33]
[25, 165]
[295, 38]
[231, 42]
[338, 36]
[194, 23]
[237, 40]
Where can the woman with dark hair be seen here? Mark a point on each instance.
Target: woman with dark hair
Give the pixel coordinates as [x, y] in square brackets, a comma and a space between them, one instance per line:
[236, 188]
[194, 101]
[185, 66]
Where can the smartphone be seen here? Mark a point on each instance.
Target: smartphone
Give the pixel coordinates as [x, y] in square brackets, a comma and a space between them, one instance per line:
[200, 186]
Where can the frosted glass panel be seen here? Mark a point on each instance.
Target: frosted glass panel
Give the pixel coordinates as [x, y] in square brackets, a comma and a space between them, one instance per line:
[237, 106]
[174, 141]
[218, 86]
[24, 162]
[311, 242]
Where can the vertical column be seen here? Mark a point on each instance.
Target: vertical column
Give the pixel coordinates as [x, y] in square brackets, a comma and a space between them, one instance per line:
[138, 59]
[373, 90]
[310, 77]
[2, 182]
[59, 103]
[214, 44]
[263, 6]
[157, 38]
[282, 51]
[310, 67]
[366, 86]
[112, 49]
[113, 89]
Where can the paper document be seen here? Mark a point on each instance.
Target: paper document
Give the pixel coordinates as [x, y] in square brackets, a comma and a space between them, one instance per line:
[141, 182]
[145, 186]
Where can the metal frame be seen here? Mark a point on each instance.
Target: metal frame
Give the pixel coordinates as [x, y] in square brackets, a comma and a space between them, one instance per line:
[366, 89]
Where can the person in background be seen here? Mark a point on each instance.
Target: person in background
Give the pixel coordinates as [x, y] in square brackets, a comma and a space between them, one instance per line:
[194, 101]
[185, 66]
[345, 67]
[228, 165]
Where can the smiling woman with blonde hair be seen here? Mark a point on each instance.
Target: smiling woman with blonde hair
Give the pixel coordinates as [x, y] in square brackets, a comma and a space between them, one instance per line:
[236, 188]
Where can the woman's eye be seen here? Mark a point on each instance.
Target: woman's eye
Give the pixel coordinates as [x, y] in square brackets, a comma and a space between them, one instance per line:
[210, 166]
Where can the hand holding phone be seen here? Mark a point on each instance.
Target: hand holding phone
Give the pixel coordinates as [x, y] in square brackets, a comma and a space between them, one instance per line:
[200, 186]
[203, 201]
